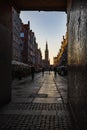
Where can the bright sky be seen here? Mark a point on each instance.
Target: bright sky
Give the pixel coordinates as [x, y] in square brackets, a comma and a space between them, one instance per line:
[47, 26]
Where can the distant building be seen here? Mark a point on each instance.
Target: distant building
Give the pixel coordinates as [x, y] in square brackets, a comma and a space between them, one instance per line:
[31, 55]
[46, 53]
[16, 40]
[32, 47]
[25, 48]
[39, 59]
[61, 58]
[46, 62]
[36, 56]
[25, 37]
[55, 59]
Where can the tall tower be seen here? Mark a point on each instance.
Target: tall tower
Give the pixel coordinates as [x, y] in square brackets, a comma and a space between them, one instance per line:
[46, 52]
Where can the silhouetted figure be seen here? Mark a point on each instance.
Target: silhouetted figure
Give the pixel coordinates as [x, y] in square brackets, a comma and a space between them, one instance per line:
[32, 72]
[43, 71]
[49, 70]
[55, 71]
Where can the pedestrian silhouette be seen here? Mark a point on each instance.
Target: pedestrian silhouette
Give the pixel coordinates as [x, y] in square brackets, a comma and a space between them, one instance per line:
[43, 71]
[49, 70]
[32, 72]
[55, 71]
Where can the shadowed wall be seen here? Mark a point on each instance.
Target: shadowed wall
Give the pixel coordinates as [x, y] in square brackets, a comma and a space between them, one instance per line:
[77, 59]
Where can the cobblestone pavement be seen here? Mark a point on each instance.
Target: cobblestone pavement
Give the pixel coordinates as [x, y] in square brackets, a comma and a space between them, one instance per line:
[37, 105]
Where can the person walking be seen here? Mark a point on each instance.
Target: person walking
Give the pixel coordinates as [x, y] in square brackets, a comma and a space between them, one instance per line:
[43, 71]
[32, 72]
[55, 71]
[49, 70]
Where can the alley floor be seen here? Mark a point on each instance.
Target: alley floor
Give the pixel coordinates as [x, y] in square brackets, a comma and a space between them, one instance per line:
[37, 105]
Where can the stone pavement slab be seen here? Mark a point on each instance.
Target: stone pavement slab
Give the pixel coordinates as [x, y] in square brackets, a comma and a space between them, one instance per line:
[37, 105]
[46, 100]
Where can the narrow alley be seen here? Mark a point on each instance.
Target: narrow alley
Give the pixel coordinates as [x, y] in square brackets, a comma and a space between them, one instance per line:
[37, 105]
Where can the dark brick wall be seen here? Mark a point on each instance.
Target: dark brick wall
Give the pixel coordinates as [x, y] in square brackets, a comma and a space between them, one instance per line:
[77, 60]
[5, 53]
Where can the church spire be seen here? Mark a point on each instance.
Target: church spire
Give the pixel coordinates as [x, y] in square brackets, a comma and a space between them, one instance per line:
[46, 46]
[46, 52]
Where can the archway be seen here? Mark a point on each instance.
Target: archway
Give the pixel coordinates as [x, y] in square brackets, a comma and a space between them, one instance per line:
[77, 54]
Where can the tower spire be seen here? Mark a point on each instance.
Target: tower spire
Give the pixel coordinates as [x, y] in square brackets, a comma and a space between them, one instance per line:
[46, 46]
[46, 52]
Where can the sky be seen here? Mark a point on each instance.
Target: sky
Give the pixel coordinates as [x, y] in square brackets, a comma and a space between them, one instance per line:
[47, 26]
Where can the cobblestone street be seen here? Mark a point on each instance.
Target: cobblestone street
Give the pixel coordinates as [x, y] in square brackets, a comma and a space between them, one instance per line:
[37, 105]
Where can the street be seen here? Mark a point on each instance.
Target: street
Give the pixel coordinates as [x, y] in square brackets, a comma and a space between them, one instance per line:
[40, 104]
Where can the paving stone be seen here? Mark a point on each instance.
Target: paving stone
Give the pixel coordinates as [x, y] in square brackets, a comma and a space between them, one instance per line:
[45, 112]
[22, 100]
[46, 100]
[37, 105]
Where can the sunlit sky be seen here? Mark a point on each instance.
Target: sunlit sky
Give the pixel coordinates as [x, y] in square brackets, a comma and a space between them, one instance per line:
[47, 26]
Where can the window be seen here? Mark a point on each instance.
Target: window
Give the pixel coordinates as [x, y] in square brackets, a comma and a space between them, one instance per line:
[22, 34]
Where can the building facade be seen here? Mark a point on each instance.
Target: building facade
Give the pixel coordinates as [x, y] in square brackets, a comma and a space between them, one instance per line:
[16, 40]
[31, 55]
[39, 59]
[61, 58]
[25, 48]
[25, 37]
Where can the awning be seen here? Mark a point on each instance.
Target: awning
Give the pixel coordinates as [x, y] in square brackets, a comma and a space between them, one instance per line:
[14, 62]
